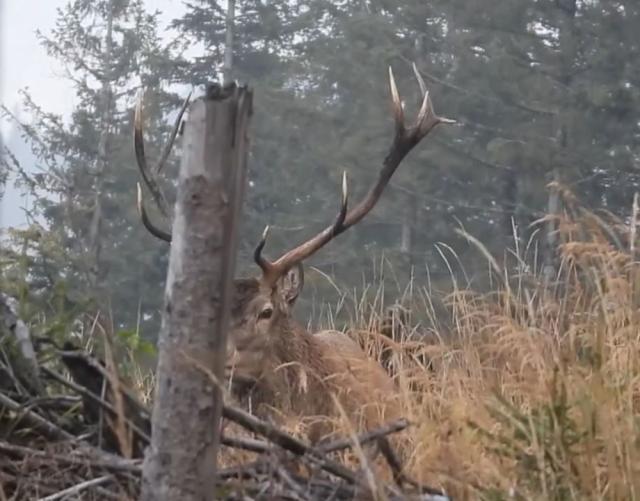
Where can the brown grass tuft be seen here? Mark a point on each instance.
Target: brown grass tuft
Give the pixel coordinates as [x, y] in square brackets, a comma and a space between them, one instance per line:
[530, 391]
[534, 390]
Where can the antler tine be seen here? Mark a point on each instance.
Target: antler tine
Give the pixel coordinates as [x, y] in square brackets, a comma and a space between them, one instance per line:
[404, 140]
[427, 118]
[149, 181]
[174, 132]
[264, 264]
[148, 176]
[396, 103]
[153, 229]
[423, 86]
[271, 271]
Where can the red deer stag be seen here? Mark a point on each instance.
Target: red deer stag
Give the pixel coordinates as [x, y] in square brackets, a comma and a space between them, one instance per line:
[272, 359]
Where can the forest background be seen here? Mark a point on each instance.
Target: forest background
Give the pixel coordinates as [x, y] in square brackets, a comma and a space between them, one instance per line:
[544, 93]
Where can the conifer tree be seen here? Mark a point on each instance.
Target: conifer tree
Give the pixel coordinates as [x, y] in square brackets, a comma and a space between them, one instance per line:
[85, 244]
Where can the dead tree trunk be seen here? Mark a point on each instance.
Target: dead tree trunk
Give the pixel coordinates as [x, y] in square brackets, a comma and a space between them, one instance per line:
[180, 463]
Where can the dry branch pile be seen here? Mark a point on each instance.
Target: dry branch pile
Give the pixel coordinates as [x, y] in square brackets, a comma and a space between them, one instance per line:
[75, 438]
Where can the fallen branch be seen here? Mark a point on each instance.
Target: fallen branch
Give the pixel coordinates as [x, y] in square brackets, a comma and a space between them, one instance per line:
[85, 456]
[76, 489]
[35, 420]
[247, 444]
[277, 471]
[286, 441]
[366, 437]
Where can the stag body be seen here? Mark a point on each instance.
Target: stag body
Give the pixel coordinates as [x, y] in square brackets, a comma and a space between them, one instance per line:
[272, 361]
[282, 367]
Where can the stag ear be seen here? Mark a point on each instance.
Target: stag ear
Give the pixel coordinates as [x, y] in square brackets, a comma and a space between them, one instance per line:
[291, 284]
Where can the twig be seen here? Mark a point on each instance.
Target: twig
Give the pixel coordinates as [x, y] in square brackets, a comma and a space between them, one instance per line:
[286, 441]
[380, 435]
[78, 488]
[6, 370]
[363, 438]
[119, 428]
[107, 494]
[36, 420]
[62, 402]
[399, 476]
[257, 425]
[242, 471]
[101, 400]
[247, 444]
[93, 457]
[298, 491]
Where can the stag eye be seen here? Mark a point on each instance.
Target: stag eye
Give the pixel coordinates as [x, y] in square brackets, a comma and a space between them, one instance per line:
[266, 313]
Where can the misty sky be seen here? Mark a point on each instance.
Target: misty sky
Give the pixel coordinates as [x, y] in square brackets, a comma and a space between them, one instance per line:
[25, 64]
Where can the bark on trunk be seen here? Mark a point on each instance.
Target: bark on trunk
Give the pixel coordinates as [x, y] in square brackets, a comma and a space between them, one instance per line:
[180, 463]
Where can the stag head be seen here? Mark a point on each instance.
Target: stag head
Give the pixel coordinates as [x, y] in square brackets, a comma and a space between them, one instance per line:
[261, 325]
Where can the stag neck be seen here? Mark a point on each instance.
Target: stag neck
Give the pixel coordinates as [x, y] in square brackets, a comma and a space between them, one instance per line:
[296, 348]
[294, 342]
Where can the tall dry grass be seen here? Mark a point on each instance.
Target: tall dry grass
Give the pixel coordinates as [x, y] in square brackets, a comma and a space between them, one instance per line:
[534, 390]
[530, 391]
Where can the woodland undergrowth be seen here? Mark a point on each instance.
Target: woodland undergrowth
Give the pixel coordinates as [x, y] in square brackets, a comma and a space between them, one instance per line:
[529, 390]
[533, 389]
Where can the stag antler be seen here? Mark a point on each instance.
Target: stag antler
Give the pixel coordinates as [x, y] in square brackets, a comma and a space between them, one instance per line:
[149, 177]
[403, 142]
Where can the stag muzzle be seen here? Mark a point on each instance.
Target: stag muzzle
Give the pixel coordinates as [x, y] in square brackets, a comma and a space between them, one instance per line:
[239, 385]
[240, 382]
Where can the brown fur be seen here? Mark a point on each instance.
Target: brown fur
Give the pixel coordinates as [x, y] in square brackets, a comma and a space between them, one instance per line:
[287, 372]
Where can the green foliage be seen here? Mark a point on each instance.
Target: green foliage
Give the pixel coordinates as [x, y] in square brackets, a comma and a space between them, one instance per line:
[85, 235]
[132, 342]
[543, 442]
[29, 275]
